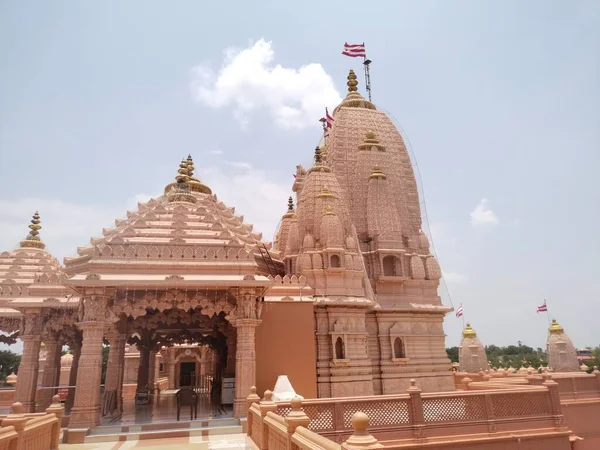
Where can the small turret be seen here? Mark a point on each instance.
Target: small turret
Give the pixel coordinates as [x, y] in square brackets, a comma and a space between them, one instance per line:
[471, 352]
[180, 190]
[562, 356]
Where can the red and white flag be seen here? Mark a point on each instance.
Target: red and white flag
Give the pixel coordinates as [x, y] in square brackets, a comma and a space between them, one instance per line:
[329, 118]
[355, 50]
[542, 307]
[459, 311]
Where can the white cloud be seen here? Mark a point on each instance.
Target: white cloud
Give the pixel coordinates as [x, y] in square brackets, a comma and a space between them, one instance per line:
[482, 215]
[240, 165]
[216, 152]
[249, 81]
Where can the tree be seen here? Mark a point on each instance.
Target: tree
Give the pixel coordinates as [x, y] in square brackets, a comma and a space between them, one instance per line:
[9, 363]
[452, 354]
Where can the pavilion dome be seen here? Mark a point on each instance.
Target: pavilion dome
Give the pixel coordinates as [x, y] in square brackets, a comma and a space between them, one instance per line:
[184, 234]
[29, 274]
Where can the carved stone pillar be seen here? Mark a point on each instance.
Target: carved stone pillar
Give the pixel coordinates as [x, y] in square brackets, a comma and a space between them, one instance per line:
[86, 409]
[51, 369]
[245, 363]
[143, 369]
[115, 368]
[75, 347]
[28, 369]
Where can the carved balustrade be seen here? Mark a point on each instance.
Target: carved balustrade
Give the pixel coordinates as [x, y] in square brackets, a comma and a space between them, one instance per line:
[414, 416]
[35, 431]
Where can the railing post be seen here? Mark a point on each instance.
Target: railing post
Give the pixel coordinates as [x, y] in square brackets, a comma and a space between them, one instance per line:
[417, 418]
[361, 439]
[466, 380]
[266, 405]
[252, 398]
[296, 418]
[17, 419]
[489, 413]
[57, 409]
[597, 373]
[555, 407]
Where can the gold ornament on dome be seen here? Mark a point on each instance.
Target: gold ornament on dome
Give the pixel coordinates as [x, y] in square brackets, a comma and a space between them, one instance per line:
[468, 331]
[325, 193]
[33, 239]
[354, 99]
[371, 142]
[555, 328]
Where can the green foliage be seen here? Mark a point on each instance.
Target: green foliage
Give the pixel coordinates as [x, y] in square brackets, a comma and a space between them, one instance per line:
[9, 363]
[509, 356]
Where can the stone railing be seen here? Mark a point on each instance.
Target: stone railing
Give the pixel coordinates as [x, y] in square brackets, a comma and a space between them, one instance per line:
[571, 385]
[36, 431]
[411, 416]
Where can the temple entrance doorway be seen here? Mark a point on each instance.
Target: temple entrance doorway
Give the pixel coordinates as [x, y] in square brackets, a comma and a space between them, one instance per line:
[187, 374]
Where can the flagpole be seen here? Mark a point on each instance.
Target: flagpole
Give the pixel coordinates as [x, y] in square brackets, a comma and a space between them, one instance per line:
[548, 315]
[367, 64]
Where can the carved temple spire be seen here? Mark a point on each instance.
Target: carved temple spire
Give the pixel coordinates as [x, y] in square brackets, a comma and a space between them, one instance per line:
[319, 166]
[33, 238]
[180, 190]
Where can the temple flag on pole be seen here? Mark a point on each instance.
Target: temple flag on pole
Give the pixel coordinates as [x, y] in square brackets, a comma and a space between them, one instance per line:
[459, 311]
[543, 307]
[329, 118]
[355, 50]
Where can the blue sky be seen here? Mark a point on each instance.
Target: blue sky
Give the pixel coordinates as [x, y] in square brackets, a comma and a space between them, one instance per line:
[99, 101]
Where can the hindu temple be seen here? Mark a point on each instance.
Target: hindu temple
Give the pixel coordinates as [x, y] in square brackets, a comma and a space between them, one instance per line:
[182, 292]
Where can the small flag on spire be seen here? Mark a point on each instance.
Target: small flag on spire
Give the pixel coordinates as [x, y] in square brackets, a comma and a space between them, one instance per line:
[543, 307]
[459, 311]
[329, 118]
[355, 50]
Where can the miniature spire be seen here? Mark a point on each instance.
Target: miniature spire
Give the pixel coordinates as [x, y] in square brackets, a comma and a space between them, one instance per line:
[290, 204]
[180, 191]
[33, 239]
[325, 193]
[329, 210]
[352, 82]
[317, 156]
[377, 173]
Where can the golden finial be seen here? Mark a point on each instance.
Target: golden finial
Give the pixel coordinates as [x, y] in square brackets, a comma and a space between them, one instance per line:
[317, 155]
[190, 165]
[183, 173]
[329, 210]
[555, 328]
[33, 238]
[377, 173]
[352, 82]
[371, 142]
[468, 331]
[290, 204]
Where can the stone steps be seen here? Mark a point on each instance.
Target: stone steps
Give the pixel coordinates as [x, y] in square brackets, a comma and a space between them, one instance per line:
[163, 430]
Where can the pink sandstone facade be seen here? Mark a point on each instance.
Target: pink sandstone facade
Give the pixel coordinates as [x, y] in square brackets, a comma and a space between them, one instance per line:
[182, 287]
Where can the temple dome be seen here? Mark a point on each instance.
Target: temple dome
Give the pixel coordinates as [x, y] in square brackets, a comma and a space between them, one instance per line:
[184, 234]
[30, 274]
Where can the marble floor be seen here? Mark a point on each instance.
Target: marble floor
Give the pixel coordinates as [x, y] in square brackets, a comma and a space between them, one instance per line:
[218, 442]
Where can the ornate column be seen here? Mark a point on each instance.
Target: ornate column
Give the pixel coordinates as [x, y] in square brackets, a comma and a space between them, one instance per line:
[93, 321]
[51, 370]
[75, 346]
[31, 335]
[117, 337]
[245, 320]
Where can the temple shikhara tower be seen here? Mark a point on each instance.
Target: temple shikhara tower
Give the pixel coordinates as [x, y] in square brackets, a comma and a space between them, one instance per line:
[344, 302]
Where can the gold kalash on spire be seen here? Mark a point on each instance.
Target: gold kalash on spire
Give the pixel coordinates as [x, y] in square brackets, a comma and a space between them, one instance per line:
[180, 190]
[185, 183]
[33, 239]
[354, 99]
